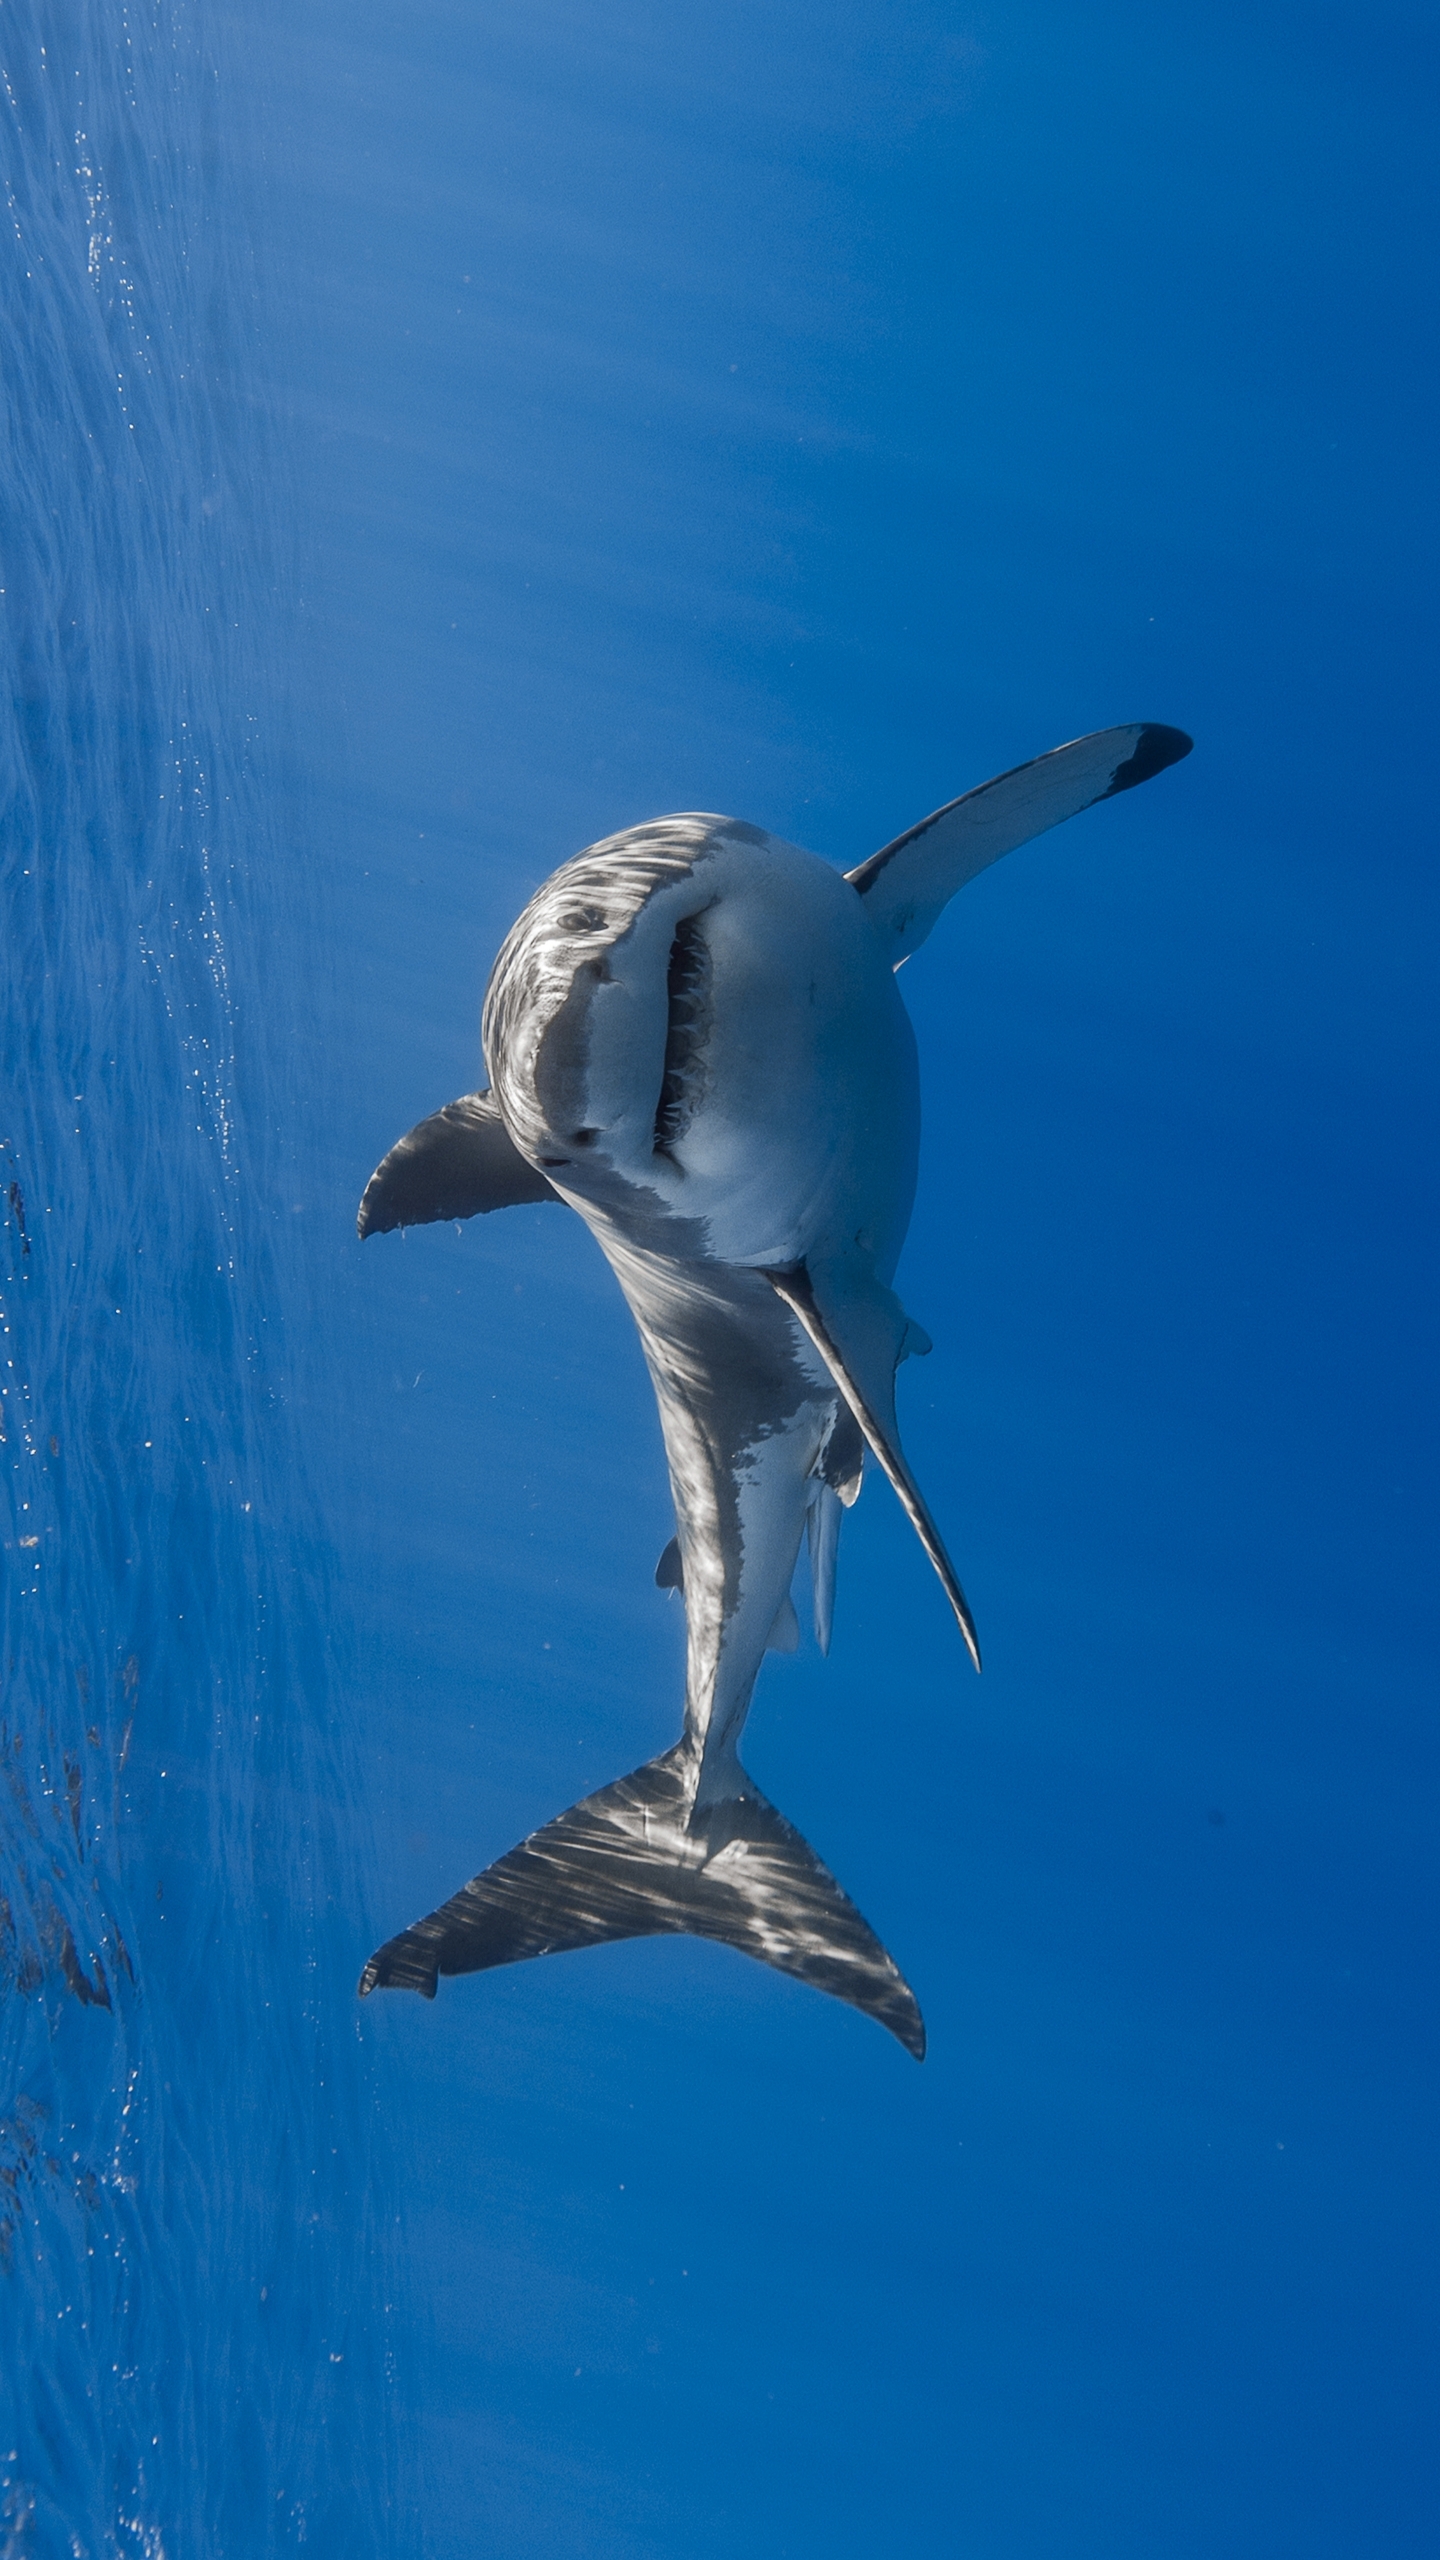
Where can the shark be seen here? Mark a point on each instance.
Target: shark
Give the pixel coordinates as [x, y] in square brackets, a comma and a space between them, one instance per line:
[695, 1040]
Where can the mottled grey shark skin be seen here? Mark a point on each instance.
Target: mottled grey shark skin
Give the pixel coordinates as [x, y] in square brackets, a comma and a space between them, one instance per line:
[695, 1039]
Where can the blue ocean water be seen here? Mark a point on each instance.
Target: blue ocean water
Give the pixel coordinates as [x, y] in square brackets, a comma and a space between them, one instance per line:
[433, 442]
[193, 2279]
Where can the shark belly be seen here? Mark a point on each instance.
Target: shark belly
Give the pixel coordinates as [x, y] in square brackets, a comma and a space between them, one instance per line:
[802, 1136]
[746, 1410]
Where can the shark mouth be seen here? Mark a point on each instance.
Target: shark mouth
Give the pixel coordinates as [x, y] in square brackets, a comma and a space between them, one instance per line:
[687, 990]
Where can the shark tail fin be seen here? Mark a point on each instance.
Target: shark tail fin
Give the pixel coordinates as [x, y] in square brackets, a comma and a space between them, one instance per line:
[639, 1860]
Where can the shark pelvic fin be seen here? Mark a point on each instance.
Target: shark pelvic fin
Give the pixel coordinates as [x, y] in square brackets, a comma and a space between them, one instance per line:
[860, 1330]
[457, 1164]
[638, 1861]
[906, 884]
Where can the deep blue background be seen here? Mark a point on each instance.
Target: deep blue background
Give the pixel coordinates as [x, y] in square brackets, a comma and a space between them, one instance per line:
[805, 413]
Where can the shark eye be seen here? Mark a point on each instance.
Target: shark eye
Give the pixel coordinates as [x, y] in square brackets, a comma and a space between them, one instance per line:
[687, 985]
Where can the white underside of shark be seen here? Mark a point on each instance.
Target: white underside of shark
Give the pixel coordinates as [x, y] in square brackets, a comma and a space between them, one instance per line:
[696, 1041]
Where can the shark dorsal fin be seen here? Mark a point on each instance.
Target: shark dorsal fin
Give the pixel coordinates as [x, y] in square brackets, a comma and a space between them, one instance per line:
[906, 883]
[859, 1329]
[457, 1164]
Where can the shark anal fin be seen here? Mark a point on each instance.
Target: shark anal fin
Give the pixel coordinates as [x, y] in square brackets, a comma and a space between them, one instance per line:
[906, 884]
[842, 1463]
[457, 1164]
[823, 1531]
[858, 1371]
[635, 1861]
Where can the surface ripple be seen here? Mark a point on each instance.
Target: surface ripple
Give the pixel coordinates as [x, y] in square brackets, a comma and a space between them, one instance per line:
[190, 2261]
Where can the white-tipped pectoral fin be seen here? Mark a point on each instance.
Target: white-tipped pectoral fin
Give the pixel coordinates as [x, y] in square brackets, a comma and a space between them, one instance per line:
[859, 1329]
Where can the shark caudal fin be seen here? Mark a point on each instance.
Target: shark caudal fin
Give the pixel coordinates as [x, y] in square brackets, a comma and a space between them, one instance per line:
[635, 1861]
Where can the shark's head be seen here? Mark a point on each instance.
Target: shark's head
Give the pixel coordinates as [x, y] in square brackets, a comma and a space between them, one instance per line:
[692, 1027]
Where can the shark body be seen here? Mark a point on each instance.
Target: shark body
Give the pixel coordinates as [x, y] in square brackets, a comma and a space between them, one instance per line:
[695, 1040]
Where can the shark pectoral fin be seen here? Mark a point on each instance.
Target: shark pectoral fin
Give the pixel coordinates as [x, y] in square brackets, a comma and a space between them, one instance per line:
[636, 1861]
[458, 1163]
[670, 1571]
[906, 884]
[859, 1332]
